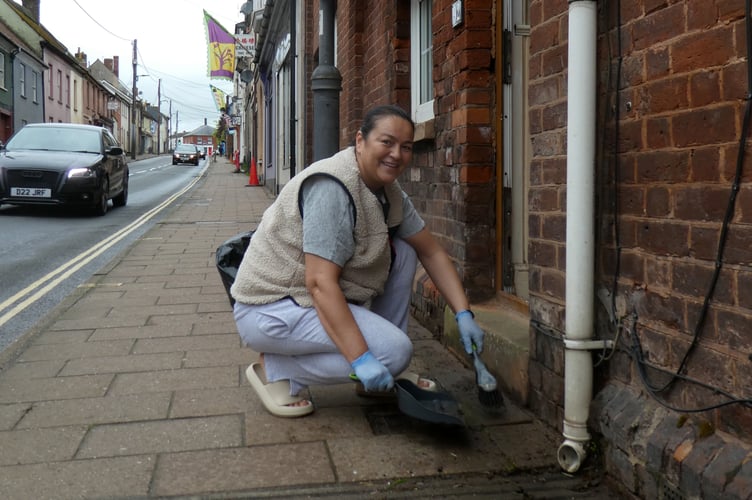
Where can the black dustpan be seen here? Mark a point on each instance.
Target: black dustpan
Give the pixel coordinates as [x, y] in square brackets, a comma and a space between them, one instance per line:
[430, 406]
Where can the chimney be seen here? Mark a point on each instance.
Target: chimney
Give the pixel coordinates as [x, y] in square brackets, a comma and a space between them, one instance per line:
[116, 65]
[204, 121]
[33, 7]
[82, 59]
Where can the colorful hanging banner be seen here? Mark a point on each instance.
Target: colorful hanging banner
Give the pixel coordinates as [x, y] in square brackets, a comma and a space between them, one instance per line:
[221, 49]
[220, 98]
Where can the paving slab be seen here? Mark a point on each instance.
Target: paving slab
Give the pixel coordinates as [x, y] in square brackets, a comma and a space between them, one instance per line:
[45, 389]
[212, 401]
[40, 445]
[218, 357]
[33, 369]
[187, 343]
[235, 470]
[162, 436]
[173, 380]
[138, 332]
[223, 324]
[92, 323]
[421, 453]
[122, 477]
[63, 337]
[323, 424]
[10, 414]
[123, 364]
[39, 352]
[526, 446]
[92, 411]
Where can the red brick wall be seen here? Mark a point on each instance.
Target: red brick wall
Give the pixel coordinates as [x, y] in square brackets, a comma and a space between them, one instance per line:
[681, 102]
[452, 178]
[373, 58]
[546, 203]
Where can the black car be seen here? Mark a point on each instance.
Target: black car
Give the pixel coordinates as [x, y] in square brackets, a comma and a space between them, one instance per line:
[186, 153]
[64, 164]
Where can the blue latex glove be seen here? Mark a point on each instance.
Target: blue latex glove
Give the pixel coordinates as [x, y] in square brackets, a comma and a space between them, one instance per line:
[470, 333]
[372, 373]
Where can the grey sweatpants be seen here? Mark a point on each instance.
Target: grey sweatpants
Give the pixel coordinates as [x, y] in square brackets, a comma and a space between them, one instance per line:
[296, 346]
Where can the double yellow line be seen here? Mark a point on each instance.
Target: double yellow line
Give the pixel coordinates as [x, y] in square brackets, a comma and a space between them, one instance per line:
[38, 289]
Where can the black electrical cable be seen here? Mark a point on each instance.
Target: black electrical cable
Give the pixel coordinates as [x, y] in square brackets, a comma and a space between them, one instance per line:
[616, 205]
[729, 208]
[604, 154]
[636, 348]
[637, 355]
[635, 352]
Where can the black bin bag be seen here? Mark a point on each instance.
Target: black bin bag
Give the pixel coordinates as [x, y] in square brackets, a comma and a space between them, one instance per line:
[229, 255]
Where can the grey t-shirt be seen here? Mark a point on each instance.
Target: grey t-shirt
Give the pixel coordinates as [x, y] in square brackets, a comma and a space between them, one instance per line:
[329, 218]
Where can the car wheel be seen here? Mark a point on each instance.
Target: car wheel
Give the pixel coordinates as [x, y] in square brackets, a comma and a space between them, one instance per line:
[121, 199]
[100, 208]
[174, 163]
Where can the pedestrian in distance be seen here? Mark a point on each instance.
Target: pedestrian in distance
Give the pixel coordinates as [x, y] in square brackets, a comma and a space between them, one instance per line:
[323, 291]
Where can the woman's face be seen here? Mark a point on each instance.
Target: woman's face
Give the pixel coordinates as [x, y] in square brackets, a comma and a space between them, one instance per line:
[385, 153]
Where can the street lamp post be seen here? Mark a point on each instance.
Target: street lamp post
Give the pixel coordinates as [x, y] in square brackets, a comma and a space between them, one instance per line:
[133, 104]
[326, 84]
[169, 128]
[159, 116]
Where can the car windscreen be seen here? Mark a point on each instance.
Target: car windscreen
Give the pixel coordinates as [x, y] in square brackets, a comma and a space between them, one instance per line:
[185, 149]
[56, 139]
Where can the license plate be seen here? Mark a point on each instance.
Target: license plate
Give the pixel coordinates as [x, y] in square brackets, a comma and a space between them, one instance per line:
[31, 192]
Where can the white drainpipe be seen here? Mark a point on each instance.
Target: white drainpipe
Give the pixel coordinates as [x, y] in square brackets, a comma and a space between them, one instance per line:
[580, 243]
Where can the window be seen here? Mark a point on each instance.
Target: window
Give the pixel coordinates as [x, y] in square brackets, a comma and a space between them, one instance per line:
[22, 79]
[75, 95]
[52, 83]
[34, 86]
[67, 90]
[59, 86]
[2, 70]
[421, 60]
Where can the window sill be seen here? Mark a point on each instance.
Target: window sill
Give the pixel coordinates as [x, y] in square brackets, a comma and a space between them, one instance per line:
[424, 131]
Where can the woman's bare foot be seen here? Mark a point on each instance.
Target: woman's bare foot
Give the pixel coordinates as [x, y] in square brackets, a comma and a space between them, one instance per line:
[424, 383]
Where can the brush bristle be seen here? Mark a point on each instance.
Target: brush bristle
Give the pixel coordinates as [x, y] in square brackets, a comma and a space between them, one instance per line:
[490, 399]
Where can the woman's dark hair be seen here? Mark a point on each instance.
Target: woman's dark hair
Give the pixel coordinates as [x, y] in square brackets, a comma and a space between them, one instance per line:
[375, 114]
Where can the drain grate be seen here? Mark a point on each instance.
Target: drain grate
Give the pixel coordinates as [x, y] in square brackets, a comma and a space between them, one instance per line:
[670, 492]
[386, 419]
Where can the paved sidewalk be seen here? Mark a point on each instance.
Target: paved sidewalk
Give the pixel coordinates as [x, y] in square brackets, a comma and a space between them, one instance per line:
[135, 388]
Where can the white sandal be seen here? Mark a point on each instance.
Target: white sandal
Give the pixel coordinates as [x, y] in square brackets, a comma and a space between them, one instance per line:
[276, 395]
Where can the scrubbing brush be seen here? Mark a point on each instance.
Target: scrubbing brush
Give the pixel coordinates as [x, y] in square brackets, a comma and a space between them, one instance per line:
[488, 393]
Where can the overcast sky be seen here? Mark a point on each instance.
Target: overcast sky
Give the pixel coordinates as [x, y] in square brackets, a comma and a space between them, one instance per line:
[171, 43]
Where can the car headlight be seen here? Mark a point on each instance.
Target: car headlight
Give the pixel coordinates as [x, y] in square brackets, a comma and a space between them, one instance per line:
[82, 172]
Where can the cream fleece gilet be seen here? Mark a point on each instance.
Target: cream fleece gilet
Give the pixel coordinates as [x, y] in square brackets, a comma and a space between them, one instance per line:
[273, 266]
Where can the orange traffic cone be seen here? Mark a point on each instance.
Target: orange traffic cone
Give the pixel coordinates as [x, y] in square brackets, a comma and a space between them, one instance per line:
[253, 175]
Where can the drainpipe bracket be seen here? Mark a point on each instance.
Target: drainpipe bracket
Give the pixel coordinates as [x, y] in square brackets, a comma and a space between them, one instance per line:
[588, 345]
